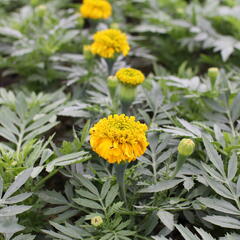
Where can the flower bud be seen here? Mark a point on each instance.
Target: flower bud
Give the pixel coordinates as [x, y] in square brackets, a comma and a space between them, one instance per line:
[114, 26]
[213, 74]
[127, 94]
[14, 163]
[41, 10]
[96, 221]
[186, 147]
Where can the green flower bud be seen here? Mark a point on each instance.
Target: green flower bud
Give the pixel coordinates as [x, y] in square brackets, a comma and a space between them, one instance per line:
[14, 163]
[213, 74]
[186, 147]
[34, 2]
[41, 10]
[97, 221]
[114, 26]
[127, 96]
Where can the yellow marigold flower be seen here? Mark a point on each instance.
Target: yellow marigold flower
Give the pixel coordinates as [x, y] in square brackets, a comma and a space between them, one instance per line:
[130, 76]
[96, 9]
[108, 42]
[119, 138]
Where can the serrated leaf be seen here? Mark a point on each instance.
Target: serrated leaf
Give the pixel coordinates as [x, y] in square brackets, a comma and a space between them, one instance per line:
[53, 197]
[87, 203]
[213, 156]
[223, 221]
[167, 219]
[105, 188]
[19, 181]
[219, 205]
[220, 188]
[87, 184]
[162, 186]
[186, 233]
[232, 166]
[13, 210]
[112, 194]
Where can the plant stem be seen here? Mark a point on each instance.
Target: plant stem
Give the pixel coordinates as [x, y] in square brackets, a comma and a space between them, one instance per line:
[120, 170]
[43, 180]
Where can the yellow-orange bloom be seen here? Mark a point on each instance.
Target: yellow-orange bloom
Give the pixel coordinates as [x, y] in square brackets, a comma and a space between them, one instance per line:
[130, 76]
[109, 42]
[119, 138]
[96, 9]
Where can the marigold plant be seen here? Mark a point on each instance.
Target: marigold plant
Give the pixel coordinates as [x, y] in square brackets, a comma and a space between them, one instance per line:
[109, 42]
[130, 76]
[119, 138]
[96, 9]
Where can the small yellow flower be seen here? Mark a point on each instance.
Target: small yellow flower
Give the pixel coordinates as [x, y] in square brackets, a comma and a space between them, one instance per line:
[96, 9]
[119, 138]
[108, 42]
[130, 76]
[96, 221]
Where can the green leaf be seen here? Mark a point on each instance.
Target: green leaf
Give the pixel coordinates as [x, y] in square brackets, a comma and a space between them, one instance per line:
[220, 188]
[65, 230]
[186, 233]
[13, 210]
[19, 181]
[56, 235]
[105, 188]
[67, 160]
[161, 186]
[24, 237]
[112, 194]
[87, 184]
[223, 221]
[219, 205]
[9, 225]
[213, 156]
[87, 203]
[204, 235]
[18, 198]
[87, 194]
[167, 219]
[53, 197]
[232, 166]
[85, 132]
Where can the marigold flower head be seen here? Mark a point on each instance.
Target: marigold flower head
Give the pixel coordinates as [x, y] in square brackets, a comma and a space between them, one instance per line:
[130, 76]
[119, 138]
[96, 9]
[108, 42]
[97, 221]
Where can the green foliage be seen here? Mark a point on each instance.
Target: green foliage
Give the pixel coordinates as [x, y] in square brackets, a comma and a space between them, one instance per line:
[51, 182]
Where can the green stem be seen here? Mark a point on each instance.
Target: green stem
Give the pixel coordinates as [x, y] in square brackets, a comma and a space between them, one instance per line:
[43, 180]
[120, 170]
[180, 161]
[20, 139]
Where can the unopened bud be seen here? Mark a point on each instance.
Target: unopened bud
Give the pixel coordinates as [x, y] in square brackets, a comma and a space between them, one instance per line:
[41, 10]
[114, 26]
[96, 221]
[14, 163]
[213, 74]
[186, 147]
[127, 93]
